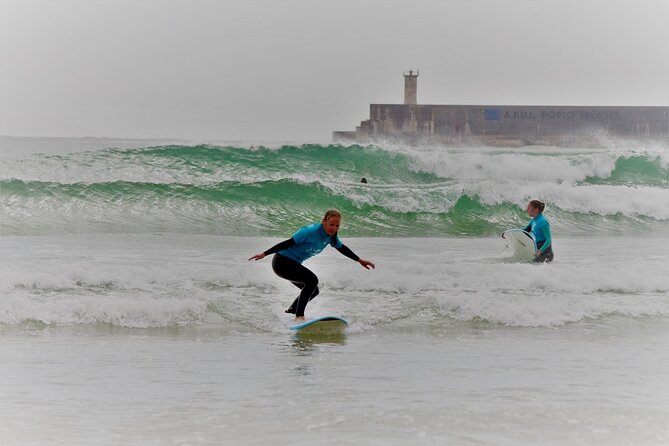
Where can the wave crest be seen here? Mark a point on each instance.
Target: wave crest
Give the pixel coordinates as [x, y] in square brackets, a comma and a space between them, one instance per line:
[263, 190]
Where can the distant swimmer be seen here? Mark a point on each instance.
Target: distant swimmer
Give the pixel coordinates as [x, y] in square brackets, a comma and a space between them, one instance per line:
[305, 243]
[363, 180]
[541, 230]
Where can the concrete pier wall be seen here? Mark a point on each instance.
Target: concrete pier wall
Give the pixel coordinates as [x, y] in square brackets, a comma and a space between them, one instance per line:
[532, 124]
[442, 124]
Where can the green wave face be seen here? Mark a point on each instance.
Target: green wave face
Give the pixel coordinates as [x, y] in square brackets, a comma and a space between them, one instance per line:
[636, 170]
[274, 191]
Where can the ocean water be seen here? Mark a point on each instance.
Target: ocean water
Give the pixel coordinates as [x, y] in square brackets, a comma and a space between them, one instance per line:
[129, 313]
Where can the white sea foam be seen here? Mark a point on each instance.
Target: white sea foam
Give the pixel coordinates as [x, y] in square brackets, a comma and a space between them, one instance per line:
[561, 167]
[157, 281]
[630, 201]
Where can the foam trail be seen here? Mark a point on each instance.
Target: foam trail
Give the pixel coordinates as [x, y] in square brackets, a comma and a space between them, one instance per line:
[172, 280]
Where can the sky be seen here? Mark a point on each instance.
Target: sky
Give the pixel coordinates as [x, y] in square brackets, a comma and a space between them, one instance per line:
[295, 70]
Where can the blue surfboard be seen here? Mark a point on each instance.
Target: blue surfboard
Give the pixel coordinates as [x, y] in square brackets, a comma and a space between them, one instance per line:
[321, 324]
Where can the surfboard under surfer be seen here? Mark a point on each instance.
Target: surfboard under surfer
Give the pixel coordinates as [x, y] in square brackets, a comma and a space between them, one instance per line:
[305, 243]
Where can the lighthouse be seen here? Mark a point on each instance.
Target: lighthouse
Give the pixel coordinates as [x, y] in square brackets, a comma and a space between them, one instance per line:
[410, 87]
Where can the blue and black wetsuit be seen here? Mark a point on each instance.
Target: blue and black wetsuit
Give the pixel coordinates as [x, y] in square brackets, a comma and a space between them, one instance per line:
[541, 230]
[289, 255]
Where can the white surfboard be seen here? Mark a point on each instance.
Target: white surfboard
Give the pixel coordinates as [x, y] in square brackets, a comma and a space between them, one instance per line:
[522, 243]
[321, 325]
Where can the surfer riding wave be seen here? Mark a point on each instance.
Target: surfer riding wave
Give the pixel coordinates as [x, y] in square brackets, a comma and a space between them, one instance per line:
[305, 243]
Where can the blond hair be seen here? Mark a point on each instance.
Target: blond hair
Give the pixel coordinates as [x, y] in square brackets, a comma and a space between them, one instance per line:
[331, 213]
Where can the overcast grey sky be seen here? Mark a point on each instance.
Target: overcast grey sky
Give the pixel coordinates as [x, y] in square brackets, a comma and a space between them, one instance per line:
[296, 70]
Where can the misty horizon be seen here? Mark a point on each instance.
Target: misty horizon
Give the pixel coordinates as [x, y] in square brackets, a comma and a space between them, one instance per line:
[296, 70]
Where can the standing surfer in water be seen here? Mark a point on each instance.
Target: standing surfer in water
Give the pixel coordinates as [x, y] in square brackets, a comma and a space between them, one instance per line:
[541, 230]
[305, 243]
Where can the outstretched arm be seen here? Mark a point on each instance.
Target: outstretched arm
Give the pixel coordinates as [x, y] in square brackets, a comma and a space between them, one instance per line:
[276, 248]
[351, 255]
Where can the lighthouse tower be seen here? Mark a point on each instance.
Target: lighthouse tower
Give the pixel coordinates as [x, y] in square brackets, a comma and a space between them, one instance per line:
[410, 87]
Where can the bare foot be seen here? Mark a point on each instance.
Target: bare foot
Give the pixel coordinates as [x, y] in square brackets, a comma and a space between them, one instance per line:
[299, 319]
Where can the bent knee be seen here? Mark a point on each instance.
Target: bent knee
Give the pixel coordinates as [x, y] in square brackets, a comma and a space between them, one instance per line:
[312, 282]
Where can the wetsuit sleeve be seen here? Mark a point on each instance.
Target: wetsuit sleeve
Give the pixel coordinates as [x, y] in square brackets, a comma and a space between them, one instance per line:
[347, 252]
[335, 242]
[280, 246]
[546, 231]
[528, 228]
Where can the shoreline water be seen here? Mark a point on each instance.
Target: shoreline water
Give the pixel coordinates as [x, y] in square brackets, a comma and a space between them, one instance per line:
[579, 384]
